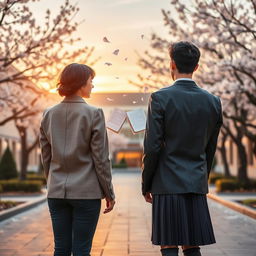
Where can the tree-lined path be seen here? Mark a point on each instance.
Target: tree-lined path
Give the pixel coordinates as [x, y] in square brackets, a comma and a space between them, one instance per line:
[126, 230]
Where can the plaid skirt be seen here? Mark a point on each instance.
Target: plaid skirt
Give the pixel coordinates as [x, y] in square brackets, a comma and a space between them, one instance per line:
[181, 219]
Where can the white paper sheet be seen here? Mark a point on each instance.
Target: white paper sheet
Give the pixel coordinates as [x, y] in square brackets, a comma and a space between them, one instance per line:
[137, 119]
[116, 120]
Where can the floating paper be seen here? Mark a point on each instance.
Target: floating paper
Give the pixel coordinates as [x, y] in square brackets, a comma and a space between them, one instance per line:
[105, 40]
[116, 52]
[136, 119]
[116, 120]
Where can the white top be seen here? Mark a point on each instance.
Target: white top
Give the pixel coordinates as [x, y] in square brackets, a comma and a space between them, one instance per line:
[187, 79]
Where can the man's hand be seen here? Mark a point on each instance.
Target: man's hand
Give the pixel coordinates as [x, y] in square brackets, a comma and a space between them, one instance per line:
[148, 197]
[110, 205]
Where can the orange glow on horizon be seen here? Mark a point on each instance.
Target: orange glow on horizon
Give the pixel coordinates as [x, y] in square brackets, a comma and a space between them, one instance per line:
[102, 84]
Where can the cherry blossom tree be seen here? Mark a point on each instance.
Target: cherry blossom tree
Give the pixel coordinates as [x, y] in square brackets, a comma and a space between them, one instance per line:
[225, 32]
[28, 142]
[27, 123]
[14, 105]
[236, 132]
[31, 55]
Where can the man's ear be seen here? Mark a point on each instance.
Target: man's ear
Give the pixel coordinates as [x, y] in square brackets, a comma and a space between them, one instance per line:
[196, 67]
[172, 65]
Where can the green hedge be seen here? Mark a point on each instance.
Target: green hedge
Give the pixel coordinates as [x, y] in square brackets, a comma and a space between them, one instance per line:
[36, 177]
[249, 201]
[119, 165]
[31, 172]
[8, 168]
[233, 184]
[214, 177]
[227, 185]
[21, 186]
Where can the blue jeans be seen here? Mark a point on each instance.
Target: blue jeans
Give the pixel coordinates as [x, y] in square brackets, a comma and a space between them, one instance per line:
[74, 223]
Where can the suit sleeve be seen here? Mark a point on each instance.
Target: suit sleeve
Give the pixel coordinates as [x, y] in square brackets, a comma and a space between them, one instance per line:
[100, 153]
[153, 142]
[212, 143]
[46, 153]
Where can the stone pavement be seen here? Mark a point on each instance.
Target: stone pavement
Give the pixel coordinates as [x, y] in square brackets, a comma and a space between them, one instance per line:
[126, 230]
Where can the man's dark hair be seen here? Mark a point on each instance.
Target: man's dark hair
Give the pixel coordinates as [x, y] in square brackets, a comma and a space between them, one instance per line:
[185, 55]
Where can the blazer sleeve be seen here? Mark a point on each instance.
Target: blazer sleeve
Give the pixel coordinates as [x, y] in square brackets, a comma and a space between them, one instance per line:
[153, 141]
[212, 143]
[46, 153]
[100, 153]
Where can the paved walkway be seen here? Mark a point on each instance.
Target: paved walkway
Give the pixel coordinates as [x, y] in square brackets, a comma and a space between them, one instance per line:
[126, 230]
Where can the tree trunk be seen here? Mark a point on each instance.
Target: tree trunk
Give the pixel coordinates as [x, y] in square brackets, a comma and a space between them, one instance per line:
[242, 168]
[242, 155]
[24, 153]
[25, 150]
[223, 154]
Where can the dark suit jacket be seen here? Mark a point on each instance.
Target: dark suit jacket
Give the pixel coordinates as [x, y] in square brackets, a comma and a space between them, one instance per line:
[180, 141]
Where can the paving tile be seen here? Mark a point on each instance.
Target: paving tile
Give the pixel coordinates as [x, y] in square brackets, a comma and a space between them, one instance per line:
[126, 231]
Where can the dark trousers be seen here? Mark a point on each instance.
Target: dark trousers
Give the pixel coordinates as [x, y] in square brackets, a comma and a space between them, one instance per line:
[74, 222]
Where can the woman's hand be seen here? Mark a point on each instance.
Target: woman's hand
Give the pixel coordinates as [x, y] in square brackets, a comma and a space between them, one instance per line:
[148, 197]
[110, 205]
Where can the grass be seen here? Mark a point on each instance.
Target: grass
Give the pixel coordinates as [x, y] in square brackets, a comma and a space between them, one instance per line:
[8, 204]
[249, 202]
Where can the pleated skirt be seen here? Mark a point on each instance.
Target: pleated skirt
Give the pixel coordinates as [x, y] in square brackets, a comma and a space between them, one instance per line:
[181, 219]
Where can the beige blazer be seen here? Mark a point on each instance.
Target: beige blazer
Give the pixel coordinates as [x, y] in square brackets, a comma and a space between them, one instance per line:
[74, 151]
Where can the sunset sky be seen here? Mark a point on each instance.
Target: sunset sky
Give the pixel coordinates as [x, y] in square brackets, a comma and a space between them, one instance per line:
[122, 22]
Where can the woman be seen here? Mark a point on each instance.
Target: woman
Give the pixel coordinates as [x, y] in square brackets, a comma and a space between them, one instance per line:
[75, 158]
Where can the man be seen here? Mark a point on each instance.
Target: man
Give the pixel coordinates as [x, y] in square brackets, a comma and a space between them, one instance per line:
[180, 141]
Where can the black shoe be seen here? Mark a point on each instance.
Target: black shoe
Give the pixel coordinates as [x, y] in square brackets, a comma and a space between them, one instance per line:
[192, 252]
[170, 251]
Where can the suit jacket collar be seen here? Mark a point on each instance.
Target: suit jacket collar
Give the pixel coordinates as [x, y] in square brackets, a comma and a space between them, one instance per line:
[185, 83]
[73, 99]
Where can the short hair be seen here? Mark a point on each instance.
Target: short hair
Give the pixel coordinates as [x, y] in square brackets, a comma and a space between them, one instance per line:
[73, 77]
[185, 55]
